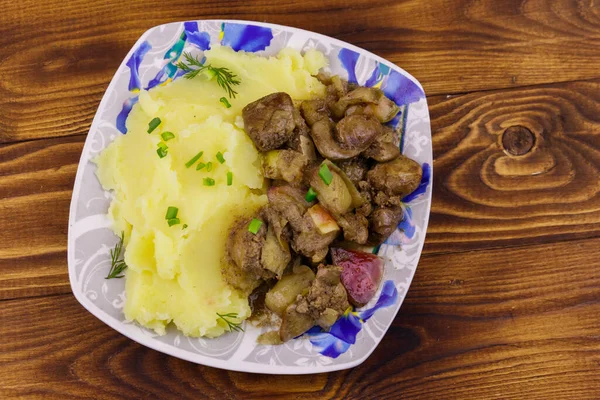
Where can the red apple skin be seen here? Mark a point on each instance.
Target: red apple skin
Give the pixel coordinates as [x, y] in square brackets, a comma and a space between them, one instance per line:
[361, 273]
[322, 219]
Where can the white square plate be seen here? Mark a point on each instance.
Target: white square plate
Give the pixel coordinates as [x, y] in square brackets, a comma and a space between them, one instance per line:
[151, 61]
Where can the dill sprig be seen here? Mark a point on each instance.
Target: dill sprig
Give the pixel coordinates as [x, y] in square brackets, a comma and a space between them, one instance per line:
[117, 265]
[225, 78]
[233, 326]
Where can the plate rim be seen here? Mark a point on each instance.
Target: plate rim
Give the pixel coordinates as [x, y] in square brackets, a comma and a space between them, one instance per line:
[200, 359]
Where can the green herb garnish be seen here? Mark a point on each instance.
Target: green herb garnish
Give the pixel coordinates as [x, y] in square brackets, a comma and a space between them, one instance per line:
[325, 174]
[174, 221]
[311, 195]
[229, 178]
[162, 152]
[225, 102]
[117, 265]
[167, 136]
[200, 166]
[225, 78]
[254, 226]
[152, 125]
[233, 326]
[220, 157]
[193, 160]
[209, 182]
[172, 212]
[209, 166]
[184, 226]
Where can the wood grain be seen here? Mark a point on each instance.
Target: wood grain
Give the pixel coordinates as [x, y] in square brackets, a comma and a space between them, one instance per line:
[57, 58]
[506, 300]
[36, 180]
[484, 196]
[471, 327]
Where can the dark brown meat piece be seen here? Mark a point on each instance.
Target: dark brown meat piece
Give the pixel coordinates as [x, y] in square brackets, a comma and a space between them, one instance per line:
[339, 86]
[239, 278]
[269, 121]
[310, 242]
[357, 132]
[365, 101]
[301, 127]
[355, 135]
[364, 189]
[383, 200]
[294, 323]
[396, 178]
[367, 208]
[327, 298]
[360, 95]
[280, 226]
[384, 110]
[322, 135]
[288, 165]
[301, 141]
[385, 147]
[355, 169]
[355, 227]
[314, 110]
[290, 203]
[244, 249]
[335, 90]
[382, 223]
[324, 78]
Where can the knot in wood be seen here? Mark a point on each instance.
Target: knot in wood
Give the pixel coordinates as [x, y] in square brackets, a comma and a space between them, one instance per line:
[518, 140]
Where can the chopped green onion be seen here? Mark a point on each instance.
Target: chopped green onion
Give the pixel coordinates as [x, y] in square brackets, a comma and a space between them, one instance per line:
[209, 166]
[220, 157]
[193, 160]
[152, 125]
[163, 145]
[254, 226]
[225, 102]
[325, 174]
[229, 178]
[172, 212]
[184, 226]
[167, 136]
[162, 152]
[200, 166]
[209, 182]
[174, 221]
[311, 195]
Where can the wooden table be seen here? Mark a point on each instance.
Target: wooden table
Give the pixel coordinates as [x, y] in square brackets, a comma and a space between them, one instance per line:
[506, 300]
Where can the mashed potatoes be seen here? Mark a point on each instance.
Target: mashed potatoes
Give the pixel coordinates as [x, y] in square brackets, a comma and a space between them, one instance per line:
[174, 273]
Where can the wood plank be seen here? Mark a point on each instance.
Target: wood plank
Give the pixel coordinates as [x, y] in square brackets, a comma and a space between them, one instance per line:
[550, 194]
[57, 59]
[484, 196]
[36, 180]
[510, 324]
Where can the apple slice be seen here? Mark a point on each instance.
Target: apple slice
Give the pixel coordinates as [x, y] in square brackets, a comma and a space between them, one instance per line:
[322, 219]
[361, 273]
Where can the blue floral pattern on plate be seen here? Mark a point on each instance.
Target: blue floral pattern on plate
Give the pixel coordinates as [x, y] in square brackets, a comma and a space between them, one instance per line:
[244, 37]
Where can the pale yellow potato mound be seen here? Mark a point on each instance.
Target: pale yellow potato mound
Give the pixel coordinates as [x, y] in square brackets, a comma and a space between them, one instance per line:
[174, 273]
